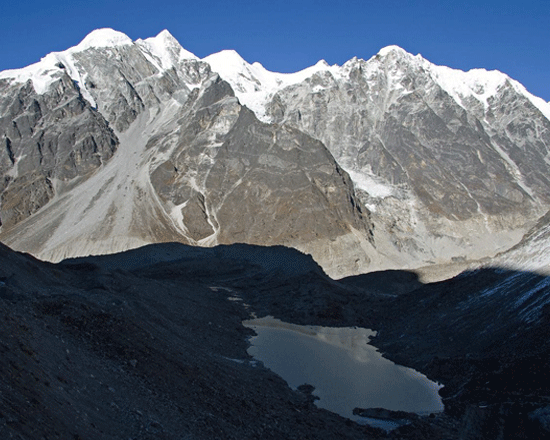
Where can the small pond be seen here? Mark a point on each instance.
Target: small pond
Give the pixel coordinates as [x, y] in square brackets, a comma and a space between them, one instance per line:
[345, 371]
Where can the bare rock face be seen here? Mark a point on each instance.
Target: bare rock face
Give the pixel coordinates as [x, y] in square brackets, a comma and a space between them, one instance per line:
[231, 178]
[51, 137]
[457, 159]
[451, 164]
[298, 191]
[25, 196]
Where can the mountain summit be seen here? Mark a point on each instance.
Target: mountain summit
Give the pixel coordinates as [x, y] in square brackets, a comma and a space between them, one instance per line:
[379, 163]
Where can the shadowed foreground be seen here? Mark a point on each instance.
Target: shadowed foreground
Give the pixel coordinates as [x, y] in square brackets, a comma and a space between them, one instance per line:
[149, 344]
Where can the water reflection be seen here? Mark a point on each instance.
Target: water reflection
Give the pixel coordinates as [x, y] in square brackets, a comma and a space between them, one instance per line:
[345, 371]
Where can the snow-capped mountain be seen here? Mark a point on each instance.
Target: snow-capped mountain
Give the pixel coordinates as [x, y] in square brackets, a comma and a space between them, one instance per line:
[451, 163]
[255, 86]
[159, 149]
[113, 143]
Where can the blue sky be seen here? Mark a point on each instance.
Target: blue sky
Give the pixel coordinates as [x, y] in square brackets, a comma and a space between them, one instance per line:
[509, 35]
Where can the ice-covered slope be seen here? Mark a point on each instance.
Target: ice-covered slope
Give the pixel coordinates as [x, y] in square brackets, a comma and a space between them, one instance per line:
[482, 85]
[165, 50]
[45, 72]
[254, 85]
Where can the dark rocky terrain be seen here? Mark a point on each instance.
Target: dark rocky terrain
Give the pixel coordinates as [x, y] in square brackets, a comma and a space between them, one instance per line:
[148, 345]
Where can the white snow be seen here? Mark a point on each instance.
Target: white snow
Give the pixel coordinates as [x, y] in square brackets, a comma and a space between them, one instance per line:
[459, 84]
[539, 103]
[478, 83]
[166, 50]
[48, 70]
[385, 51]
[102, 38]
[253, 84]
[370, 184]
[481, 84]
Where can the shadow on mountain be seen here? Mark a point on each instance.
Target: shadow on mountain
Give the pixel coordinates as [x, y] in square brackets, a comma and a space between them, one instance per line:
[149, 344]
[390, 282]
[484, 334]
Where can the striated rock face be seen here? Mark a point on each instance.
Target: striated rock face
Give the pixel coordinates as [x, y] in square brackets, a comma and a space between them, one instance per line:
[392, 116]
[260, 184]
[458, 159]
[46, 138]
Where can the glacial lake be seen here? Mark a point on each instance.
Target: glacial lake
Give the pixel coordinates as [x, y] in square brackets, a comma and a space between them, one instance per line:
[345, 371]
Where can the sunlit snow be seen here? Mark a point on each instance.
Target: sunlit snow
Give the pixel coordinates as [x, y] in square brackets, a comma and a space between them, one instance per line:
[166, 49]
[49, 69]
[253, 84]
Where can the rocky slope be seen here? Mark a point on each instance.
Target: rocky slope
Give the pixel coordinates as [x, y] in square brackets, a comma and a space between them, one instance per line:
[46, 138]
[150, 344]
[484, 334]
[531, 253]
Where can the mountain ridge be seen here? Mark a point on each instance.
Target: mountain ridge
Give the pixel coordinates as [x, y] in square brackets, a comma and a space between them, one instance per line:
[430, 173]
[107, 37]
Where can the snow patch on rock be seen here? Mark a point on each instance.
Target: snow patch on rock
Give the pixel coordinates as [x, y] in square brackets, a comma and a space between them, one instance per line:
[371, 184]
[50, 68]
[165, 49]
[253, 84]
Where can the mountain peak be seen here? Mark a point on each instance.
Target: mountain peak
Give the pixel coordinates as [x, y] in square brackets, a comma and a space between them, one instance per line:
[227, 56]
[166, 49]
[385, 51]
[231, 66]
[322, 64]
[44, 72]
[165, 35]
[105, 37]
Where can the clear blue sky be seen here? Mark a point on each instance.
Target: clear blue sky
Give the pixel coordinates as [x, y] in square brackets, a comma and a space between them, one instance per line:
[509, 35]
